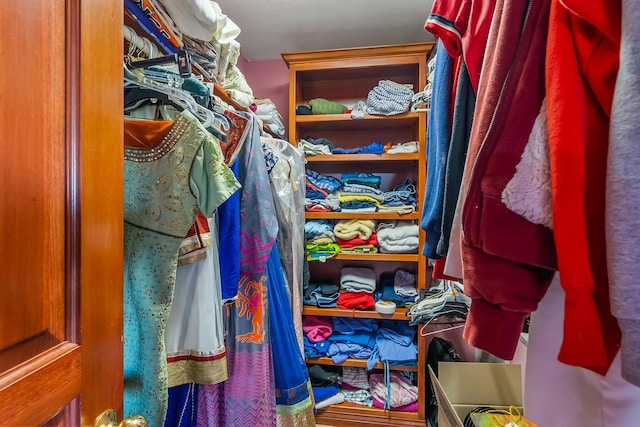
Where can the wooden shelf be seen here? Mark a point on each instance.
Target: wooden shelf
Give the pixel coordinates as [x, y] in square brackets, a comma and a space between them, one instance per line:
[321, 122]
[378, 412]
[309, 310]
[361, 215]
[338, 158]
[358, 363]
[378, 257]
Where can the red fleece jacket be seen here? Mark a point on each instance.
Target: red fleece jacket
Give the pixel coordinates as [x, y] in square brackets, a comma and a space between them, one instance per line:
[582, 64]
[508, 261]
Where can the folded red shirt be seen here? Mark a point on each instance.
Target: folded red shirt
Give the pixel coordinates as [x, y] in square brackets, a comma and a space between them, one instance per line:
[356, 241]
[356, 300]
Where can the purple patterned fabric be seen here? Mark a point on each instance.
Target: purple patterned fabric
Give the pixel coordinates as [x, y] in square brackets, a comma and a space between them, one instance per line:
[247, 398]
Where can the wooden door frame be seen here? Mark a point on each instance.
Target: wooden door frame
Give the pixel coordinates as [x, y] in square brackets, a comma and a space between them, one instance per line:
[95, 198]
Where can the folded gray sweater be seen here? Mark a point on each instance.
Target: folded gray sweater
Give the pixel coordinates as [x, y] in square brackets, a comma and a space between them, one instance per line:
[357, 279]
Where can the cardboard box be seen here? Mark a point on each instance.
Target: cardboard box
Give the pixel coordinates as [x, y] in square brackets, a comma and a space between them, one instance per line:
[462, 386]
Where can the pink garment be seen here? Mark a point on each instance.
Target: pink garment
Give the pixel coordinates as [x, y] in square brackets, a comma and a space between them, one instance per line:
[350, 387]
[402, 391]
[411, 407]
[317, 328]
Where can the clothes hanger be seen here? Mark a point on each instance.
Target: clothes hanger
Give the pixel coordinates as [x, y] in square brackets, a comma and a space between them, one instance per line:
[428, 334]
[177, 95]
[136, 97]
[218, 111]
[437, 331]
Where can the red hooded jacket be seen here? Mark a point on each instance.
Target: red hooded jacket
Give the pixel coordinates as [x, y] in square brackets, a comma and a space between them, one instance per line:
[508, 261]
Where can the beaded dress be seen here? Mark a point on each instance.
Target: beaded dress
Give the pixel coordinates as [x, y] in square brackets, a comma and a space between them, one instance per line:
[166, 185]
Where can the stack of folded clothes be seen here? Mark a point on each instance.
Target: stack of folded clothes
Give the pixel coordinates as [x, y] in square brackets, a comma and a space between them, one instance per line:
[362, 193]
[398, 287]
[315, 147]
[325, 382]
[395, 343]
[353, 338]
[356, 236]
[360, 198]
[357, 285]
[326, 396]
[399, 395]
[267, 111]
[321, 295]
[373, 148]
[404, 284]
[401, 199]
[401, 147]
[321, 192]
[321, 241]
[320, 186]
[355, 386]
[389, 98]
[316, 331]
[399, 237]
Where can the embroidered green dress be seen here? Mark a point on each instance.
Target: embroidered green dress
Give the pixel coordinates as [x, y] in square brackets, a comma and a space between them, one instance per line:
[165, 187]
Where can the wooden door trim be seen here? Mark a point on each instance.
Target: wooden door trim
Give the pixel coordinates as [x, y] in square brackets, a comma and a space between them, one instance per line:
[100, 205]
[60, 364]
[72, 219]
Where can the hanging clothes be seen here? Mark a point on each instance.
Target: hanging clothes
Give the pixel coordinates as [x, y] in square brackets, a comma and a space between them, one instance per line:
[623, 195]
[508, 260]
[287, 178]
[244, 399]
[183, 405]
[556, 394]
[173, 169]
[582, 66]
[294, 405]
[195, 330]
[438, 137]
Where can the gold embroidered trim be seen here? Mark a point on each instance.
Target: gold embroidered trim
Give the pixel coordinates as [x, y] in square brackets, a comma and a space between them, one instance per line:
[187, 371]
[207, 240]
[192, 257]
[188, 245]
[301, 419]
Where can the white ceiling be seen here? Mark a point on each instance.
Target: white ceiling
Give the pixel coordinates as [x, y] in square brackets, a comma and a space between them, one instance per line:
[270, 27]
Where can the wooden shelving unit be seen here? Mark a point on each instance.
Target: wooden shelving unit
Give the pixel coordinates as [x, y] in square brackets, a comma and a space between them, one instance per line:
[372, 258]
[365, 215]
[359, 363]
[337, 158]
[347, 75]
[400, 313]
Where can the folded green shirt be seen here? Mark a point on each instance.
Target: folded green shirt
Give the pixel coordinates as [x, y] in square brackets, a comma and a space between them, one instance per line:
[324, 106]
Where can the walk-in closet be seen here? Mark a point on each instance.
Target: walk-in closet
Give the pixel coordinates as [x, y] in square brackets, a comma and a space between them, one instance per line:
[320, 214]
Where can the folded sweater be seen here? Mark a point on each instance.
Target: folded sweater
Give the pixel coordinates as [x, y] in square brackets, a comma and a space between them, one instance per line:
[358, 279]
[349, 229]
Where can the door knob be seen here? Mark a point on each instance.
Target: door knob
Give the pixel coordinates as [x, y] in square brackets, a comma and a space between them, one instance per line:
[109, 418]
